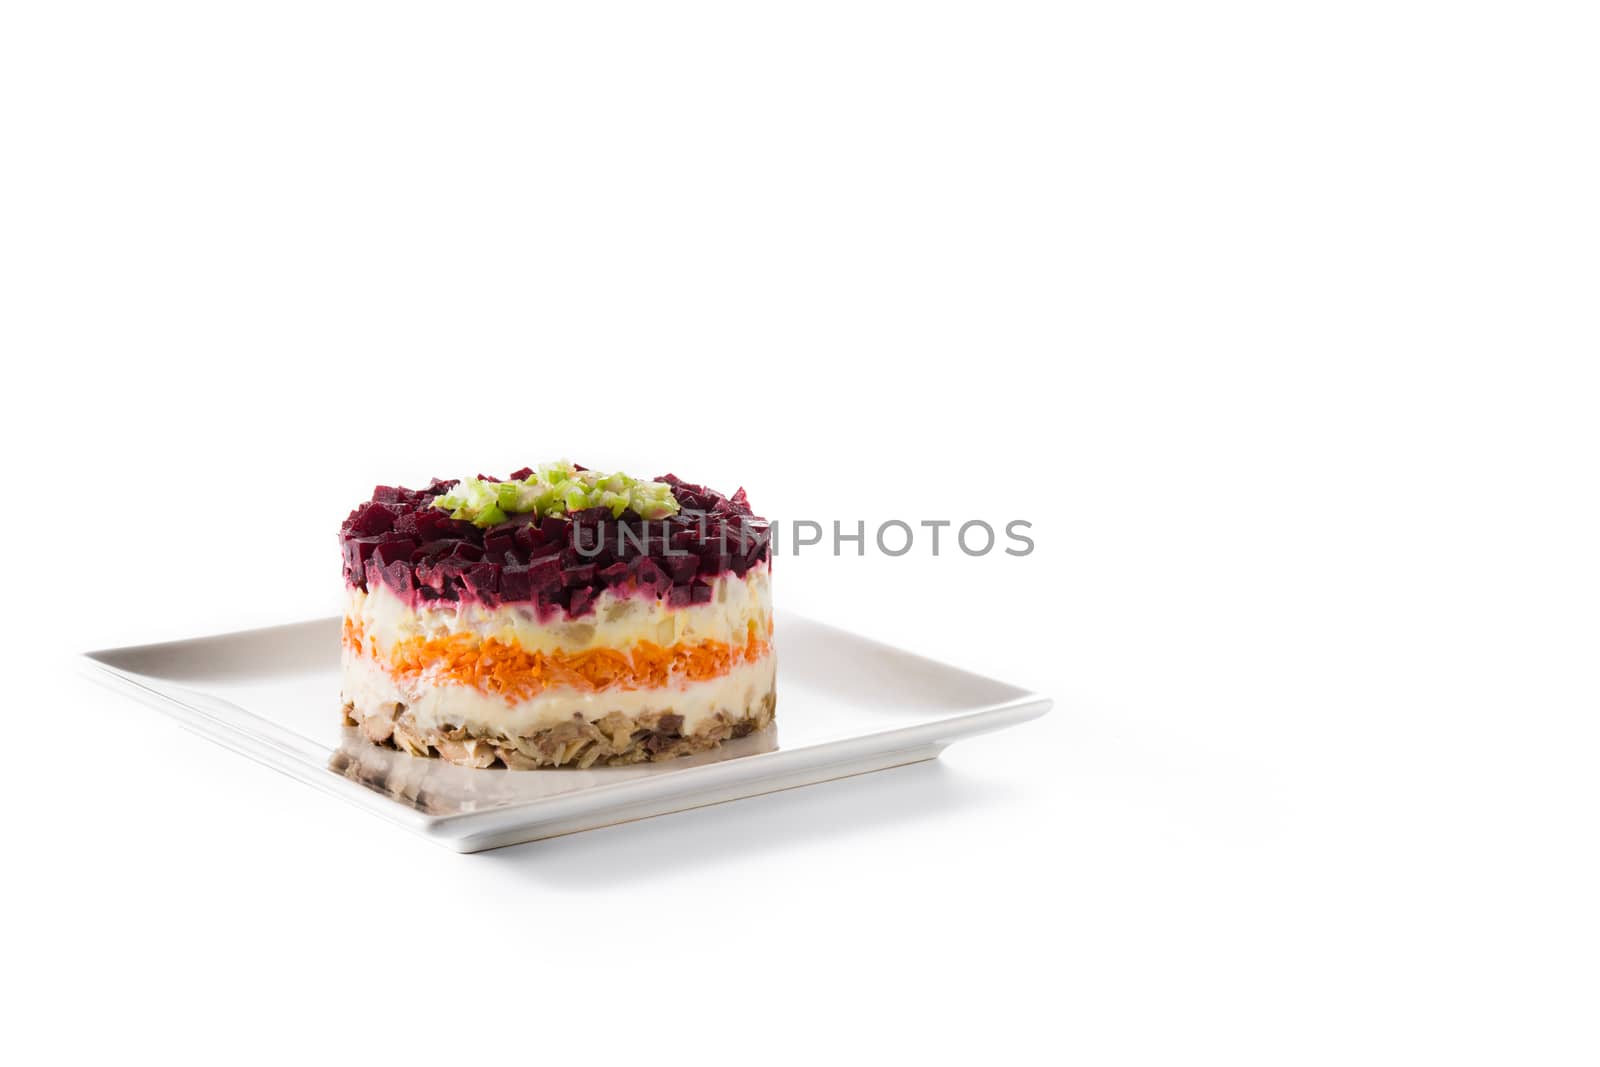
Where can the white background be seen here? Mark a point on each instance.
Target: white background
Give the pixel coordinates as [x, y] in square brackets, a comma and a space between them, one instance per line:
[1277, 320]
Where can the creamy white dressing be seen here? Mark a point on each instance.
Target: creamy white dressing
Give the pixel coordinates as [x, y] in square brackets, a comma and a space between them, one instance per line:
[617, 621]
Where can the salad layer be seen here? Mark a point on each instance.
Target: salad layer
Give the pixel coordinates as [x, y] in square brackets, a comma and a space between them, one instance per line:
[482, 667]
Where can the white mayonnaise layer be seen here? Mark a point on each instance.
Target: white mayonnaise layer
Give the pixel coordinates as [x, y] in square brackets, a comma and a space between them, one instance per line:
[617, 622]
[368, 685]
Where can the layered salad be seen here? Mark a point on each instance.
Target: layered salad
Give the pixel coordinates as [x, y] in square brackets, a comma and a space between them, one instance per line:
[556, 617]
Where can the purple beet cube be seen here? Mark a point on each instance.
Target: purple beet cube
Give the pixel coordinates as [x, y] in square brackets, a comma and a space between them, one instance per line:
[616, 574]
[679, 596]
[690, 495]
[700, 593]
[582, 598]
[372, 518]
[483, 580]
[582, 574]
[544, 574]
[514, 583]
[716, 538]
[398, 550]
[754, 533]
[589, 539]
[389, 494]
[429, 576]
[416, 524]
[397, 576]
[433, 550]
[680, 568]
[519, 475]
[428, 524]
[497, 542]
[359, 549]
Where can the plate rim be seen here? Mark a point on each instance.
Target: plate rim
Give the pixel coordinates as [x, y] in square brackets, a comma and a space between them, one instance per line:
[710, 782]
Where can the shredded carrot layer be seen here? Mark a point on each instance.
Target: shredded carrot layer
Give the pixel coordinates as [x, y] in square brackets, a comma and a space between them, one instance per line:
[354, 637]
[515, 674]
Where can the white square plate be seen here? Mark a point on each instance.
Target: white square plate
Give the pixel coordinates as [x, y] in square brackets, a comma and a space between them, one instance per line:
[846, 705]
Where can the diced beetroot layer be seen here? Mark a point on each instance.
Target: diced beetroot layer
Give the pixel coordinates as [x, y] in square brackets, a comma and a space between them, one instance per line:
[559, 564]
